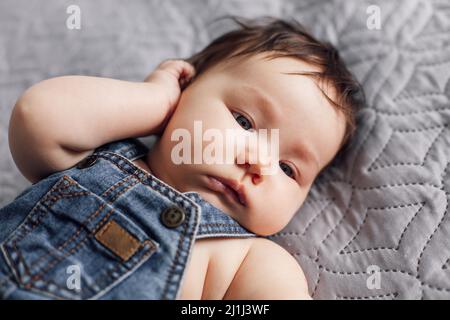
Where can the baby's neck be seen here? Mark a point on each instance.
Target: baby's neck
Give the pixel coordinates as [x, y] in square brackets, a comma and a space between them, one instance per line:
[155, 163]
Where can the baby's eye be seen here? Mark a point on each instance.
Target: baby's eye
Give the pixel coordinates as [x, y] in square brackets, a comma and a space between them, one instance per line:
[242, 120]
[287, 170]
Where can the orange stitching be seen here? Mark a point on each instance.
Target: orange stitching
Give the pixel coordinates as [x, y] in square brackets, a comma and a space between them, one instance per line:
[123, 191]
[150, 251]
[75, 234]
[65, 254]
[144, 256]
[115, 186]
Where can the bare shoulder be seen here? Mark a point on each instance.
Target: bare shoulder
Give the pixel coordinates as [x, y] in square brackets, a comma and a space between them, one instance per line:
[268, 271]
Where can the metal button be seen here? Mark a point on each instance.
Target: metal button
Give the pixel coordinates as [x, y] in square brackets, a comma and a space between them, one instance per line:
[87, 162]
[172, 217]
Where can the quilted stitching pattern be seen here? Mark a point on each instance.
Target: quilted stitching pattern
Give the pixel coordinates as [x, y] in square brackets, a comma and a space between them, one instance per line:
[383, 203]
[391, 190]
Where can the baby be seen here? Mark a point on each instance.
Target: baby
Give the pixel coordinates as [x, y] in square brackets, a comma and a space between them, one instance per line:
[139, 224]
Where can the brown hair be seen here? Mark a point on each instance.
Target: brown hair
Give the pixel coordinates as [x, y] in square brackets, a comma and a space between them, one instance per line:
[282, 38]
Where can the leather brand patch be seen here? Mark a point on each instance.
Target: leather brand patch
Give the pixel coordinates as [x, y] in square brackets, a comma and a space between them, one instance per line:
[118, 240]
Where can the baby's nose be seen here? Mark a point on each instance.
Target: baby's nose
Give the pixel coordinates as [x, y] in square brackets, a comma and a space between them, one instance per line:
[257, 158]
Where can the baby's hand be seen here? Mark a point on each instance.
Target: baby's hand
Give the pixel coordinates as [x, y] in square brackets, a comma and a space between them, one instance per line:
[172, 76]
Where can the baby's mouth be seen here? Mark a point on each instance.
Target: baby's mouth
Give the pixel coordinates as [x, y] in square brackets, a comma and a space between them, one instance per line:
[231, 188]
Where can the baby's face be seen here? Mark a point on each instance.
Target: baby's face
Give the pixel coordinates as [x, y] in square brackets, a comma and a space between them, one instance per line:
[231, 96]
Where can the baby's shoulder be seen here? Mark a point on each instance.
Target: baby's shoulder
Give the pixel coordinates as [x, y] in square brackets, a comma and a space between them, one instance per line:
[263, 249]
[268, 271]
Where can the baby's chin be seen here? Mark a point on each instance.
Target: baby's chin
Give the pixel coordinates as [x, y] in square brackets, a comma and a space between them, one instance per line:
[241, 215]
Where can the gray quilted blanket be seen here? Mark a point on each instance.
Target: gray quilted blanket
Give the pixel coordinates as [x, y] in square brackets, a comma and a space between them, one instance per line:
[376, 224]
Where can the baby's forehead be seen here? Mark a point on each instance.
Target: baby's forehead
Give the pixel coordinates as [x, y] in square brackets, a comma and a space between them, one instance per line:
[276, 81]
[267, 61]
[281, 72]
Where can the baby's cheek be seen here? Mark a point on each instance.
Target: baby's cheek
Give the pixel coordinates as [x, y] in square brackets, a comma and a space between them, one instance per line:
[268, 218]
[288, 206]
[274, 210]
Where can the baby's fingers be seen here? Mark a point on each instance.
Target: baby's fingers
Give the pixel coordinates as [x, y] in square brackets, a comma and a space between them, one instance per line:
[179, 68]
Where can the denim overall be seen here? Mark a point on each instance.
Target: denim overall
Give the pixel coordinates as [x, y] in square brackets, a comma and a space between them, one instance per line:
[104, 229]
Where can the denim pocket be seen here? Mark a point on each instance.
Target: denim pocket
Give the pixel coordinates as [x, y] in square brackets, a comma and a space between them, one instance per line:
[75, 245]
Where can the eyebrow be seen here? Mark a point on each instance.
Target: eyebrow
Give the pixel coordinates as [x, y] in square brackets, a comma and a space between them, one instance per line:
[271, 108]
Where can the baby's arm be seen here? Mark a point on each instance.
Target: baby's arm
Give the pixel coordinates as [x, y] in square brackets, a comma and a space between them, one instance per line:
[57, 122]
[268, 272]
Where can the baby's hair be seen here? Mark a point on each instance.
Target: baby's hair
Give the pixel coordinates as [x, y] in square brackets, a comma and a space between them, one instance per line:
[283, 38]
